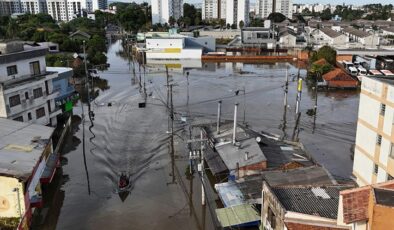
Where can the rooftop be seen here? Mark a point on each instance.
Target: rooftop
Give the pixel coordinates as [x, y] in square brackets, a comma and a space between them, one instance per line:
[316, 201]
[330, 32]
[356, 32]
[21, 146]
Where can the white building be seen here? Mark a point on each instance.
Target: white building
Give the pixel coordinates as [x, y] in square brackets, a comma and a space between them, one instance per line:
[100, 5]
[162, 10]
[34, 6]
[8, 7]
[266, 7]
[328, 36]
[237, 11]
[374, 151]
[67, 10]
[213, 9]
[26, 91]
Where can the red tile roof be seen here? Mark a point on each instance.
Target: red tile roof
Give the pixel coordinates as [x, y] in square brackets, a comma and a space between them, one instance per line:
[355, 202]
[321, 61]
[339, 78]
[299, 226]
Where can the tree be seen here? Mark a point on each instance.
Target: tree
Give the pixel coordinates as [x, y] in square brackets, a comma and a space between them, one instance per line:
[171, 21]
[276, 17]
[326, 14]
[327, 53]
[233, 26]
[241, 24]
[228, 26]
[187, 21]
[222, 23]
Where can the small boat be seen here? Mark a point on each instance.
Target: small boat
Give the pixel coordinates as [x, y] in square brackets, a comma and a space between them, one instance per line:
[124, 183]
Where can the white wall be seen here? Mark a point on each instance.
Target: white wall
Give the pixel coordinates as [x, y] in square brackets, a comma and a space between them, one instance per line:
[369, 110]
[366, 139]
[243, 11]
[154, 43]
[23, 67]
[385, 149]
[382, 175]
[363, 166]
[230, 12]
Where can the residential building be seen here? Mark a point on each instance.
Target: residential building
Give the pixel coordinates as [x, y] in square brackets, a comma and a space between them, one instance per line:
[301, 207]
[237, 11]
[62, 85]
[388, 31]
[338, 78]
[287, 38]
[164, 45]
[26, 91]
[51, 46]
[213, 9]
[328, 36]
[367, 207]
[25, 163]
[374, 150]
[34, 6]
[258, 36]
[8, 7]
[162, 10]
[67, 10]
[365, 39]
[99, 5]
[266, 7]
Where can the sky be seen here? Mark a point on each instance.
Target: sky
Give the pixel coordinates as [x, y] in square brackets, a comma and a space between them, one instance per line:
[335, 2]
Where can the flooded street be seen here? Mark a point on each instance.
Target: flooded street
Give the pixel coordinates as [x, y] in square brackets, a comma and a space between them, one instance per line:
[125, 138]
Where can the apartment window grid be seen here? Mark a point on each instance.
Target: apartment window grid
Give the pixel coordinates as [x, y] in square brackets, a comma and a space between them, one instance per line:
[382, 109]
[40, 112]
[375, 169]
[14, 100]
[37, 92]
[379, 139]
[12, 70]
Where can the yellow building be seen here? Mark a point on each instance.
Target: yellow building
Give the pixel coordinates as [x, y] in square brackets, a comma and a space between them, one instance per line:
[24, 151]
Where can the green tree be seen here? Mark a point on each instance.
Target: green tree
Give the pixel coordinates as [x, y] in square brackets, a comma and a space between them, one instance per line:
[241, 24]
[171, 21]
[327, 53]
[233, 26]
[222, 23]
[187, 21]
[228, 26]
[276, 17]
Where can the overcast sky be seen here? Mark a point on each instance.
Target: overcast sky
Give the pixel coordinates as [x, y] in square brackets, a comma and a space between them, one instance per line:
[355, 2]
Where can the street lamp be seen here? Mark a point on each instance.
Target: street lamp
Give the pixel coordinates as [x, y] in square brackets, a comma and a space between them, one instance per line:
[19, 202]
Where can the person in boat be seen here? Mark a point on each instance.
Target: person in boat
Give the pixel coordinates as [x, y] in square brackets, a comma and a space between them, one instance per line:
[123, 181]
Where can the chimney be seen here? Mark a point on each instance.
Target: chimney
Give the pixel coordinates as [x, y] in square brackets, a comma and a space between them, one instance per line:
[218, 118]
[235, 122]
[246, 156]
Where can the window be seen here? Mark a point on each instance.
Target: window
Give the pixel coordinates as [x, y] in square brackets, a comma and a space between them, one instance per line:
[18, 119]
[40, 112]
[35, 68]
[379, 139]
[29, 116]
[15, 100]
[375, 169]
[37, 92]
[271, 218]
[26, 95]
[12, 70]
[382, 109]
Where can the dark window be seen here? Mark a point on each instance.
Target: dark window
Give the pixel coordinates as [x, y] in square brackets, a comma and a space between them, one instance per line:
[40, 112]
[37, 92]
[379, 139]
[35, 68]
[18, 119]
[382, 109]
[375, 169]
[26, 95]
[15, 100]
[271, 218]
[12, 70]
[29, 116]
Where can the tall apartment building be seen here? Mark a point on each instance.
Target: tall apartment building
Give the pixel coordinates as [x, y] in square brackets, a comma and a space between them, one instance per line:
[162, 10]
[213, 9]
[34, 6]
[26, 89]
[67, 10]
[374, 150]
[8, 7]
[100, 5]
[237, 11]
[266, 7]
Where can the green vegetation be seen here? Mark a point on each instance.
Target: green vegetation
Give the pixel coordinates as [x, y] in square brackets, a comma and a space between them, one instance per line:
[326, 52]
[276, 17]
[134, 17]
[9, 223]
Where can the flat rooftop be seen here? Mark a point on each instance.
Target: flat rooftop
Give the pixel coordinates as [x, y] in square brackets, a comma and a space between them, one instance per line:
[21, 146]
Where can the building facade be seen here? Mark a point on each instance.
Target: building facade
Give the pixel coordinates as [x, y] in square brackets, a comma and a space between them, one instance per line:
[237, 11]
[266, 7]
[26, 91]
[374, 150]
[162, 10]
[8, 7]
[213, 9]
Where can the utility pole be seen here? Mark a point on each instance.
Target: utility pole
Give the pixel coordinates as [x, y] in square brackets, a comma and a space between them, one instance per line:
[218, 117]
[286, 90]
[299, 91]
[202, 171]
[86, 72]
[315, 107]
[235, 123]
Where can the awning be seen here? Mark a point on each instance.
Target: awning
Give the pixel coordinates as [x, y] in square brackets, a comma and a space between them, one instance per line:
[50, 168]
[244, 215]
[229, 194]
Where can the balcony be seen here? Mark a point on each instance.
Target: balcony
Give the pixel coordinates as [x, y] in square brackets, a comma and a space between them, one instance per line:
[26, 79]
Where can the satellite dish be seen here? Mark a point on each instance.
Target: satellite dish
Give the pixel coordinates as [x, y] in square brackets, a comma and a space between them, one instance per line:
[258, 139]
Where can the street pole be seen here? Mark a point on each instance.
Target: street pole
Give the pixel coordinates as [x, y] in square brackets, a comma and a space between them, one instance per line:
[218, 117]
[235, 122]
[86, 72]
[299, 91]
[244, 121]
[202, 171]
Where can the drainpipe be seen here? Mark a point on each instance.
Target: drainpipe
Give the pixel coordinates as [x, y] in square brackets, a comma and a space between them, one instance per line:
[235, 122]
[218, 118]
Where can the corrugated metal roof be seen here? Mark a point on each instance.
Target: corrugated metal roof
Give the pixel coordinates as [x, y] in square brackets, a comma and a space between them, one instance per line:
[356, 32]
[330, 32]
[305, 200]
[237, 215]
[21, 146]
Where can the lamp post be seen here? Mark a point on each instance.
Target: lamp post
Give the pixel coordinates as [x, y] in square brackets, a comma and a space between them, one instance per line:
[19, 201]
